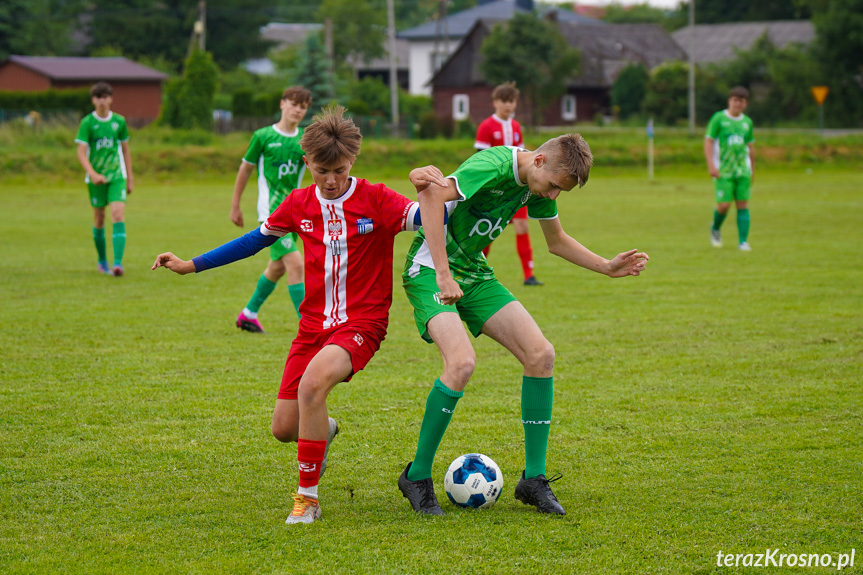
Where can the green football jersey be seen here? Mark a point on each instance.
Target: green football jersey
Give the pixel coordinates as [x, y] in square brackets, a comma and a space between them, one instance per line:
[491, 193]
[731, 137]
[102, 137]
[279, 159]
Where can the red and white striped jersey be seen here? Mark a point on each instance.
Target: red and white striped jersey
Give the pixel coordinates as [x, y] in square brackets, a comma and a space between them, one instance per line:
[348, 249]
[496, 132]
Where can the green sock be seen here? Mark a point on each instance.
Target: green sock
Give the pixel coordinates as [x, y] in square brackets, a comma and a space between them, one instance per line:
[743, 224]
[99, 240]
[298, 294]
[439, 407]
[718, 219]
[537, 394]
[262, 292]
[118, 240]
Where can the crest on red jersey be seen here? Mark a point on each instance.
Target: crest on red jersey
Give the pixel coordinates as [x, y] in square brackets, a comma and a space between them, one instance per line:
[334, 227]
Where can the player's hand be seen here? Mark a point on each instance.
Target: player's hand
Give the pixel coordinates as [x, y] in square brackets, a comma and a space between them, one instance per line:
[173, 263]
[237, 216]
[450, 292]
[629, 263]
[130, 185]
[98, 179]
[713, 170]
[422, 177]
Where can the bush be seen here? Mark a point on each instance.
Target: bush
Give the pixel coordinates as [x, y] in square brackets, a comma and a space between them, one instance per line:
[77, 100]
[628, 91]
[428, 125]
[242, 102]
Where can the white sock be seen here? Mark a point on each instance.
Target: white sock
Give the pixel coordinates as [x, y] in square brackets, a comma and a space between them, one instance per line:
[250, 314]
[310, 492]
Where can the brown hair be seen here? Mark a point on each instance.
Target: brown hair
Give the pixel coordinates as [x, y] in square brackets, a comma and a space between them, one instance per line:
[331, 137]
[101, 89]
[298, 95]
[739, 92]
[571, 154]
[506, 92]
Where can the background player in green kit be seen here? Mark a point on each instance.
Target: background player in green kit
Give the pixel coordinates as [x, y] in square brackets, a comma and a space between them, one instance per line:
[730, 155]
[103, 151]
[276, 152]
[448, 280]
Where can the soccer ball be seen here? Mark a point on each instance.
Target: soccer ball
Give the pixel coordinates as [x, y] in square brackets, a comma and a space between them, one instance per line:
[473, 480]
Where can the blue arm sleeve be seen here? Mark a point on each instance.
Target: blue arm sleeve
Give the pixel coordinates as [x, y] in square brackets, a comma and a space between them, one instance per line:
[418, 221]
[244, 246]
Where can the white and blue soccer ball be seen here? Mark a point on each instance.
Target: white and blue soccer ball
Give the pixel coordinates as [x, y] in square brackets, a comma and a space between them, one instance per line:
[473, 480]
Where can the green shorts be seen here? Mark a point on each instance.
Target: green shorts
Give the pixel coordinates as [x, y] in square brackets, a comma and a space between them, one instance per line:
[481, 300]
[103, 194]
[732, 189]
[284, 246]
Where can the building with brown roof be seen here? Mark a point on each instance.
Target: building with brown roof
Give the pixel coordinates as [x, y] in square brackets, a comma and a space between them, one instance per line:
[461, 92]
[137, 88]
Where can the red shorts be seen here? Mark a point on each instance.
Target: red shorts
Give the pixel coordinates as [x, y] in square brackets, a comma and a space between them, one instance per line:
[521, 214]
[360, 339]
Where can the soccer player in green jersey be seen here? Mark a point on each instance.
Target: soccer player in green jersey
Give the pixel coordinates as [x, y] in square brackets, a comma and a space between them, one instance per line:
[448, 280]
[276, 152]
[730, 155]
[103, 151]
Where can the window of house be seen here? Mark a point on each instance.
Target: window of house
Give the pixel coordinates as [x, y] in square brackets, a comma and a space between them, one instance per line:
[567, 107]
[460, 107]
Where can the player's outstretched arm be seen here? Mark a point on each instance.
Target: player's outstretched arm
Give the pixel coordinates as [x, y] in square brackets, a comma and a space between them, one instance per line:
[236, 249]
[561, 244]
[173, 263]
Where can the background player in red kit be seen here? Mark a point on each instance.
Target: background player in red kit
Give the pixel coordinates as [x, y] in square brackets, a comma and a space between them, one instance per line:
[501, 129]
[348, 227]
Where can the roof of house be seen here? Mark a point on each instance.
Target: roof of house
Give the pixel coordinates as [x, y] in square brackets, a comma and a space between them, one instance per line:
[458, 24]
[286, 34]
[715, 42]
[605, 51]
[65, 68]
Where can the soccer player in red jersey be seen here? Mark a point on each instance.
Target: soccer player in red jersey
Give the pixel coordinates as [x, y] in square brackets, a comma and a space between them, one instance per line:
[348, 227]
[501, 129]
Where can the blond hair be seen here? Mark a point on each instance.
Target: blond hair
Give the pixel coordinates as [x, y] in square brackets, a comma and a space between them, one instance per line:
[570, 154]
[331, 137]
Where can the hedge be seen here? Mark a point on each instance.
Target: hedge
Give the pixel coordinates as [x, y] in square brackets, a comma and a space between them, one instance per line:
[50, 100]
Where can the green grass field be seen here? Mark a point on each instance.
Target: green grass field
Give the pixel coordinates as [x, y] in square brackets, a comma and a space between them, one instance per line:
[712, 404]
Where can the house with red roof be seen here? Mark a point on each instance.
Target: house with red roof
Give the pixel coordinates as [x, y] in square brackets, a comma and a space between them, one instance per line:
[137, 88]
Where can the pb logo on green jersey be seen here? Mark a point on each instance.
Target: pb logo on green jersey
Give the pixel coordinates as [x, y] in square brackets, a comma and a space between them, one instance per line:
[484, 227]
[288, 169]
[104, 143]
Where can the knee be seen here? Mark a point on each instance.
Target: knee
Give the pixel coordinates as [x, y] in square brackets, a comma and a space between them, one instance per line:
[541, 357]
[460, 370]
[312, 391]
[284, 431]
[276, 269]
[295, 271]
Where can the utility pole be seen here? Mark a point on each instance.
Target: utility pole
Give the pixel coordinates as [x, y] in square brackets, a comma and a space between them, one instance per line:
[202, 18]
[394, 84]
[691, 68]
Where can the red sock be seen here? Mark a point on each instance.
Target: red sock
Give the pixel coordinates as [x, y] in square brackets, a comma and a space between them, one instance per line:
[486, 249]
[525, 252]
[310, 454]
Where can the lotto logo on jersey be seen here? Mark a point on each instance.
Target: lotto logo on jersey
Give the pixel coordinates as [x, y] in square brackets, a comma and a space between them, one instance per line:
[365, 225]
[359, 339]
[525, 197]
[288, 169]
[334, 227]
[484, 227]
[104, 143]
[306, 225]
